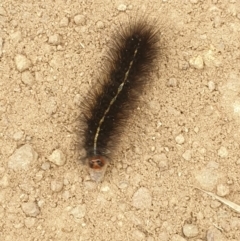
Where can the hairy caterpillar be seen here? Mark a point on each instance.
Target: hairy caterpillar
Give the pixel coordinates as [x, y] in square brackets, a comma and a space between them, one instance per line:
[129, 62]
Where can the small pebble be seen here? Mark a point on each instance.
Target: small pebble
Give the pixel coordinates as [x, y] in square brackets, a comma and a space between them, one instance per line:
[29, 222]
[45, 166]
[162, 161]
[123, 184]
[197, 62]
[138, 235]
[64, 22]
[100, 25]
[163, 236]
[51, 106]
[56, 185]
[142, 198]
[4, 181]
[180, 139]
[39, 176]
[57, 157]
[222, 190]
[190, 230]
[209, 59]
[80, 19]
[208, 176]
[24, 197]
[22, 63]
[215, 235]
[79, 211]
[122, 7]
[223, 152]
[211, 86]
[28, 78]
[215, 204]
[30, 209]
[17, 136]
[196, 129]
[172, 82]
[16, 37]
[22, 158]
[55, 39]
[187, 155]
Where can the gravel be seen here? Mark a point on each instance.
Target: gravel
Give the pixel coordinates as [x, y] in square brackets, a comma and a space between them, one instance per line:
[22, 158]
[222, 190]
[142, 198]
[22, 63]
[57, 157]
[31, 209]
[28, 78]
[190, 230]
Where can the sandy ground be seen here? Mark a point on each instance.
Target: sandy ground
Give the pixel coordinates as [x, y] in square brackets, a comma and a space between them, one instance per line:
[184, 135]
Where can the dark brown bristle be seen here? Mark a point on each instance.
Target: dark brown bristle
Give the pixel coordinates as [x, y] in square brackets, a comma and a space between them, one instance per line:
[130, 61]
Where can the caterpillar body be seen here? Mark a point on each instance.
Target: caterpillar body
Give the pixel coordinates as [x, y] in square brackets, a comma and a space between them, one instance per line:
[129, 63]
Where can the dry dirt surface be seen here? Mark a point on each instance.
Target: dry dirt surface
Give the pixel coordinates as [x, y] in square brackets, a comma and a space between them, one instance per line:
[176, 167]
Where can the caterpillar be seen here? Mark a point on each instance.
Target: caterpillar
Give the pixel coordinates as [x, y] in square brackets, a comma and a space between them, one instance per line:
[129, 62]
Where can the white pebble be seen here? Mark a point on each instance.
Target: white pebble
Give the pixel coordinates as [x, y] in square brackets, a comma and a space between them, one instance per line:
[79, 211]
[22, 158]
[56, 185]
[180, 139]
[64, 22]
[162, 161]
[45, 166]
[172, 82]
[39, 176]
[190, 230]
[222, 190]
[30, 209]
[223, 152]
[29, 222]
[208, 176]
[123, 184]
[16, 37]
[211, 86]
[197, 62]
[187, 155]
[51, 106]
[209, 59]
[17, 136]
[215, 234]
[27, 78]
[57, 157]
[4, 181]
[138, 235]
[80, 19]
[100, 25]
[142, 198]
[55, 39]
[22, 63]
[122, 7]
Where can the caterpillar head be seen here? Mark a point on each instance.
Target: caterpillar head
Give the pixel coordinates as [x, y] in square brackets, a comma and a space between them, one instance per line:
[97, 167]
